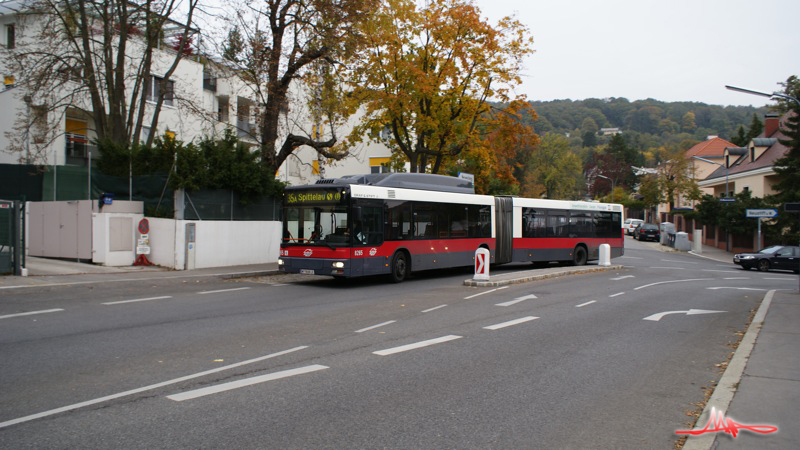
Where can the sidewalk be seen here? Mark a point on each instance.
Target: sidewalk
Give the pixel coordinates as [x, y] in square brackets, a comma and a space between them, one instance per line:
[54, 272]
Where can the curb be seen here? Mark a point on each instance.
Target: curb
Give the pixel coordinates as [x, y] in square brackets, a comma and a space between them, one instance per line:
[723, 393]
[541, 276]
[261, 273]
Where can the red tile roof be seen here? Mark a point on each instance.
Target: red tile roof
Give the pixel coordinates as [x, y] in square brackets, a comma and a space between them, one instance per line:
[713, 148]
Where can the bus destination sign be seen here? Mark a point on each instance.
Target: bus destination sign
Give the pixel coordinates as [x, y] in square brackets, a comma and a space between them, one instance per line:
[315, 197]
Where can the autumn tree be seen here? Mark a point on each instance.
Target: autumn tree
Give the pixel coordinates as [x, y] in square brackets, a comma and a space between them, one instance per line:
[553, 170]
[674, 176]
[428, 75]
[504, 142]
[96, 58]
[291, 53]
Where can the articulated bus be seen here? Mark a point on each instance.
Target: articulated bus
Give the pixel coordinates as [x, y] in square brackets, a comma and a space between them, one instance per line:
[394, 223]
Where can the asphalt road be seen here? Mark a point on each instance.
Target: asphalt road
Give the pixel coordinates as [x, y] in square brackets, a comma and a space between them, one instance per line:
[295, 362]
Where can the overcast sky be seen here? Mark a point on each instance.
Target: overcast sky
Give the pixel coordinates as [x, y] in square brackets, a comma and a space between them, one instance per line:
[670, 50]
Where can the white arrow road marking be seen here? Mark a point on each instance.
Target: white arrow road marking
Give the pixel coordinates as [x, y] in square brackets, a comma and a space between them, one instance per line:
[691, 312]
[739, 288]
[671, 281]
[517, 300]
[622, 278]
[243, 383]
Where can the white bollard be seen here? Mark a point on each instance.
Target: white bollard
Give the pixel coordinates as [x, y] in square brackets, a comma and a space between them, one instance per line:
[482, 259]
[697, 241]
[605, 255]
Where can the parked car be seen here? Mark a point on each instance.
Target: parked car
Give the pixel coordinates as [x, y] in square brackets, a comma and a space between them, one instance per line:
[646, 232]
[630, 224]
[783, 257]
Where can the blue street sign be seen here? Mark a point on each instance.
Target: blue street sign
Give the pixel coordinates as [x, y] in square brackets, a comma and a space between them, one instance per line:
[769, 213]
[727, 199]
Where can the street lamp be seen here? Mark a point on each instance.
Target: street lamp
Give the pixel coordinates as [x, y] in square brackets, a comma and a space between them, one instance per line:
[762, 94]
[727, 190]
[612, 185]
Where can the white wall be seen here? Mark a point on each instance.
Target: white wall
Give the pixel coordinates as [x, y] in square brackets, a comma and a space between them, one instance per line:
[217, 244]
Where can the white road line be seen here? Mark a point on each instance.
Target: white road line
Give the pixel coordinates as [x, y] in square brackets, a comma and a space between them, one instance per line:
[616, 295]
[671, 281]
[736, 278]
[224, 290]
[405, 348]
[517, 300]
[485, 292]
[137, 300]
[143, 389]
[434, 308]
[244, 383]
[30, 313]
[510, 323]
[585, 304]
[376, 326]
[622, 277]
[739, 288]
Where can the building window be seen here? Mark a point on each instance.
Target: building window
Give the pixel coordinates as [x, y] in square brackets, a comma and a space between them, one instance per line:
[159, 87]
[11, 41]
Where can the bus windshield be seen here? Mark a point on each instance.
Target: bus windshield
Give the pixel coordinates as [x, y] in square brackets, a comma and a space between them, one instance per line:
[316, 225]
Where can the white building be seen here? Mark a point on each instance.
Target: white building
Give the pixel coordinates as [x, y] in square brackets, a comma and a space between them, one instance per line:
[206, 98]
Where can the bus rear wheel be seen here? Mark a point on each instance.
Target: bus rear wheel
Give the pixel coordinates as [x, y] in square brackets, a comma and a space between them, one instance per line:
[579, 256]
[399, 267]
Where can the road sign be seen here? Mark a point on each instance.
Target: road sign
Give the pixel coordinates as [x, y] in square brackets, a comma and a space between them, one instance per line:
[727, 199]
[762, 213]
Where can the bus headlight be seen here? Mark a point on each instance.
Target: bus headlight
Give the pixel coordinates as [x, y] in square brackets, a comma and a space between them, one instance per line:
[280, 262]
[338, 265]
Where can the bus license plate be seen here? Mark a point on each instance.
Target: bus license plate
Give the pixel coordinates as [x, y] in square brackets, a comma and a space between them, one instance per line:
[307, 271]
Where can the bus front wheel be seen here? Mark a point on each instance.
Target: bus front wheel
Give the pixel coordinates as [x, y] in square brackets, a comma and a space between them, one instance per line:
[579, 256]
[399, 267]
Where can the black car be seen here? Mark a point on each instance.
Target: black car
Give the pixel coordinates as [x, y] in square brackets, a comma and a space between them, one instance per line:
[776, 257]
[647, 231]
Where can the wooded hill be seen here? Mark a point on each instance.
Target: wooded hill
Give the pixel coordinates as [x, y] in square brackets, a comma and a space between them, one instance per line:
[646, 124]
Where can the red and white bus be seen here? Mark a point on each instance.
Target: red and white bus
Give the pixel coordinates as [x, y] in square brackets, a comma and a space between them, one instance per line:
[395, 223]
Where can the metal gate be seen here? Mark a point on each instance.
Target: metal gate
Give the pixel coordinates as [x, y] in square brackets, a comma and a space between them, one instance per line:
[11, 237]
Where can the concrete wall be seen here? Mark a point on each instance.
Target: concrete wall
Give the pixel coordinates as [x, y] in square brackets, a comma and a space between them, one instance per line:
[217, 243]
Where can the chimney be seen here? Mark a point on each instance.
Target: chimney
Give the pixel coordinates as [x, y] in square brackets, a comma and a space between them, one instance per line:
[771, 124]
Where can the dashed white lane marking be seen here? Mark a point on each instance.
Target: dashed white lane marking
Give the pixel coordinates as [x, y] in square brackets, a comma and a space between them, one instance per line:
[510, 323]
[45, 311]
[143, 389]
[616, 295]
[517, 300]
[622, 277]
[736, 278]
[224, 290]
[244, 383]
[434, 308]
[671, 281]
[585, 304]
[376, 326]
[137, 300]
[416, 345]
[485, 292]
